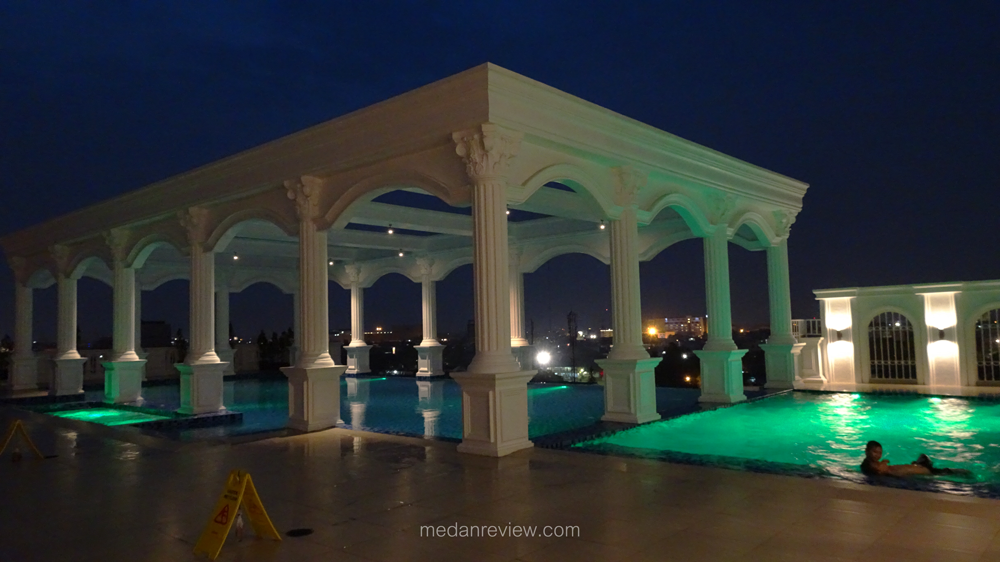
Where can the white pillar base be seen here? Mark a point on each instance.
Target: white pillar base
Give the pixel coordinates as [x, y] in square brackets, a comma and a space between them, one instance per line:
[722, 376]
[494, 412]
[525, 355]
[226, 355]
[123, 381]
[24, 373]
[430, 360]
[313, 397]
[781, 364]
[201, 387]
[629, 390]
[68, 376]
[357, 360]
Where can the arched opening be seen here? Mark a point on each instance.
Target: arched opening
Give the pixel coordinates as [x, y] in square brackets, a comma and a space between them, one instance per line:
[891, 349]
[393, 322]
[261, 316]
[673, 304]
[455, 318]
[750, 306]
[987, 334]
[567, 308]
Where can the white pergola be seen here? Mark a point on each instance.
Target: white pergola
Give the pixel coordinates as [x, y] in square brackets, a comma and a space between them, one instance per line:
[299, 211]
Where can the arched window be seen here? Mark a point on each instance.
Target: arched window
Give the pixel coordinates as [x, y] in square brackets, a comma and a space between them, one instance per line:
[988, 346]
[891, 349]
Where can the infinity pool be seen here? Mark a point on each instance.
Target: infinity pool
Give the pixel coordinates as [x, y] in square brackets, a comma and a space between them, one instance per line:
[401, 405]
[825, 434]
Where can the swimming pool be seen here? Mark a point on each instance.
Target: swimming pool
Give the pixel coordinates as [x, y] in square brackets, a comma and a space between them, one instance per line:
[109, 416]
[824, 434]
[400, 405]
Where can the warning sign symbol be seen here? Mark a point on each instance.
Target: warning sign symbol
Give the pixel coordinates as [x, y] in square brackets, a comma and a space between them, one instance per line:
[223, 517]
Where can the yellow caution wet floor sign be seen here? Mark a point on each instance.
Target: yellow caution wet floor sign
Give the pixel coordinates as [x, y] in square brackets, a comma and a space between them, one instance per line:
[17, 426]
[239, 491]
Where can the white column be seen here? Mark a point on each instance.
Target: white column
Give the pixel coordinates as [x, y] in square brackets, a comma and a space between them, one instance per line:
[358, 350]
[123, 374]
[223, 348]
[517, 338]
[68, 375]
[494, 391]
[297, 326]
[202, 371]
[24, 371]
[721, 362]
[314, 380]
[629, 371]
[430, 352]
[781, 352]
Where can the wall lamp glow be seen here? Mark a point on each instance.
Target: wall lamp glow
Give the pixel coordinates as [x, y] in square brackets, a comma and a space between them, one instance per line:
[401, 253]
[602, 224]
[331, 262]
[390, 231]
[236, 256]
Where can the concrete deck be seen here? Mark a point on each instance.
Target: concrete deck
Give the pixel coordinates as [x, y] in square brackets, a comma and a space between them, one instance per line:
[114, 494]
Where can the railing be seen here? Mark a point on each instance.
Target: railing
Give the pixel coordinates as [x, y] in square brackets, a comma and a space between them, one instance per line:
[810, 328]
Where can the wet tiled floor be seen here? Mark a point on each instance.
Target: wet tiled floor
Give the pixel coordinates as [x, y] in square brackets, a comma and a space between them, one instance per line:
[114, 494]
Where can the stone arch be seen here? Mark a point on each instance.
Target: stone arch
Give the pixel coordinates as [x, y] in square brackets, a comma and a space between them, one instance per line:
[446, 267]
[373, 274]
[243, 284]
[86, 267]
[281, 216]
[764, 235]
[662, 243]
[146, 245]
[530, 264]
[370, 188]
[574, 177]
[687, 208]
[153, 281]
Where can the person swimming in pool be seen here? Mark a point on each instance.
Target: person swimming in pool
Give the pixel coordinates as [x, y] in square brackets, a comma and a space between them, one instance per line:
[873, 465]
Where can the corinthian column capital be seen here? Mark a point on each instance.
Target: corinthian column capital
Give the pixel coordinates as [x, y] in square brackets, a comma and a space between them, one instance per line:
[305, 192]
[62, 255]
[425, 266]
[783, 221]
[627, 181]
[487, 150]
[354, 271]
[20, 267]
[118, 240]
[195, 223]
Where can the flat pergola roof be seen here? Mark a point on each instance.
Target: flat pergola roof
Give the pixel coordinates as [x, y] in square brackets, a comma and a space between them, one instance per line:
[380, 165]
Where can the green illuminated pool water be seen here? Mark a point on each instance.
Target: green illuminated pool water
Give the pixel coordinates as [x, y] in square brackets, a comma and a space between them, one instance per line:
[827, 433]
[108, 416]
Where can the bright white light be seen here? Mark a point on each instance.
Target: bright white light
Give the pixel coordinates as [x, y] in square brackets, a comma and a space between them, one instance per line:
[236, 256]
[543, 358]
[400, 254]
[390, 231]
[897, 324]
[684, 355]
[331, 262]
[687, 378]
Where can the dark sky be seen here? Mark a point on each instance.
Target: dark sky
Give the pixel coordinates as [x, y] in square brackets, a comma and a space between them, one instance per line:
[888, 109]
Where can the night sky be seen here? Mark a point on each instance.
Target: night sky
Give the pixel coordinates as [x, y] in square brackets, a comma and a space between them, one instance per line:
[889, 110]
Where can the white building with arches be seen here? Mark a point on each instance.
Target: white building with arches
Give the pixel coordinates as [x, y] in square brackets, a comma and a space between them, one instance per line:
[940, 334]
[485, 167]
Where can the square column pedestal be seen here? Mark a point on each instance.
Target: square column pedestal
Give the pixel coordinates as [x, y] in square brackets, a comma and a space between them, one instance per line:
[227, 356]
[494, 412]
[430, 360]
[24, 373]
[629, 390]
[357, 360]
[201, 387]
[122, 381]
[68, 377]
[313, 397]
[781, 362]
[722, 376]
